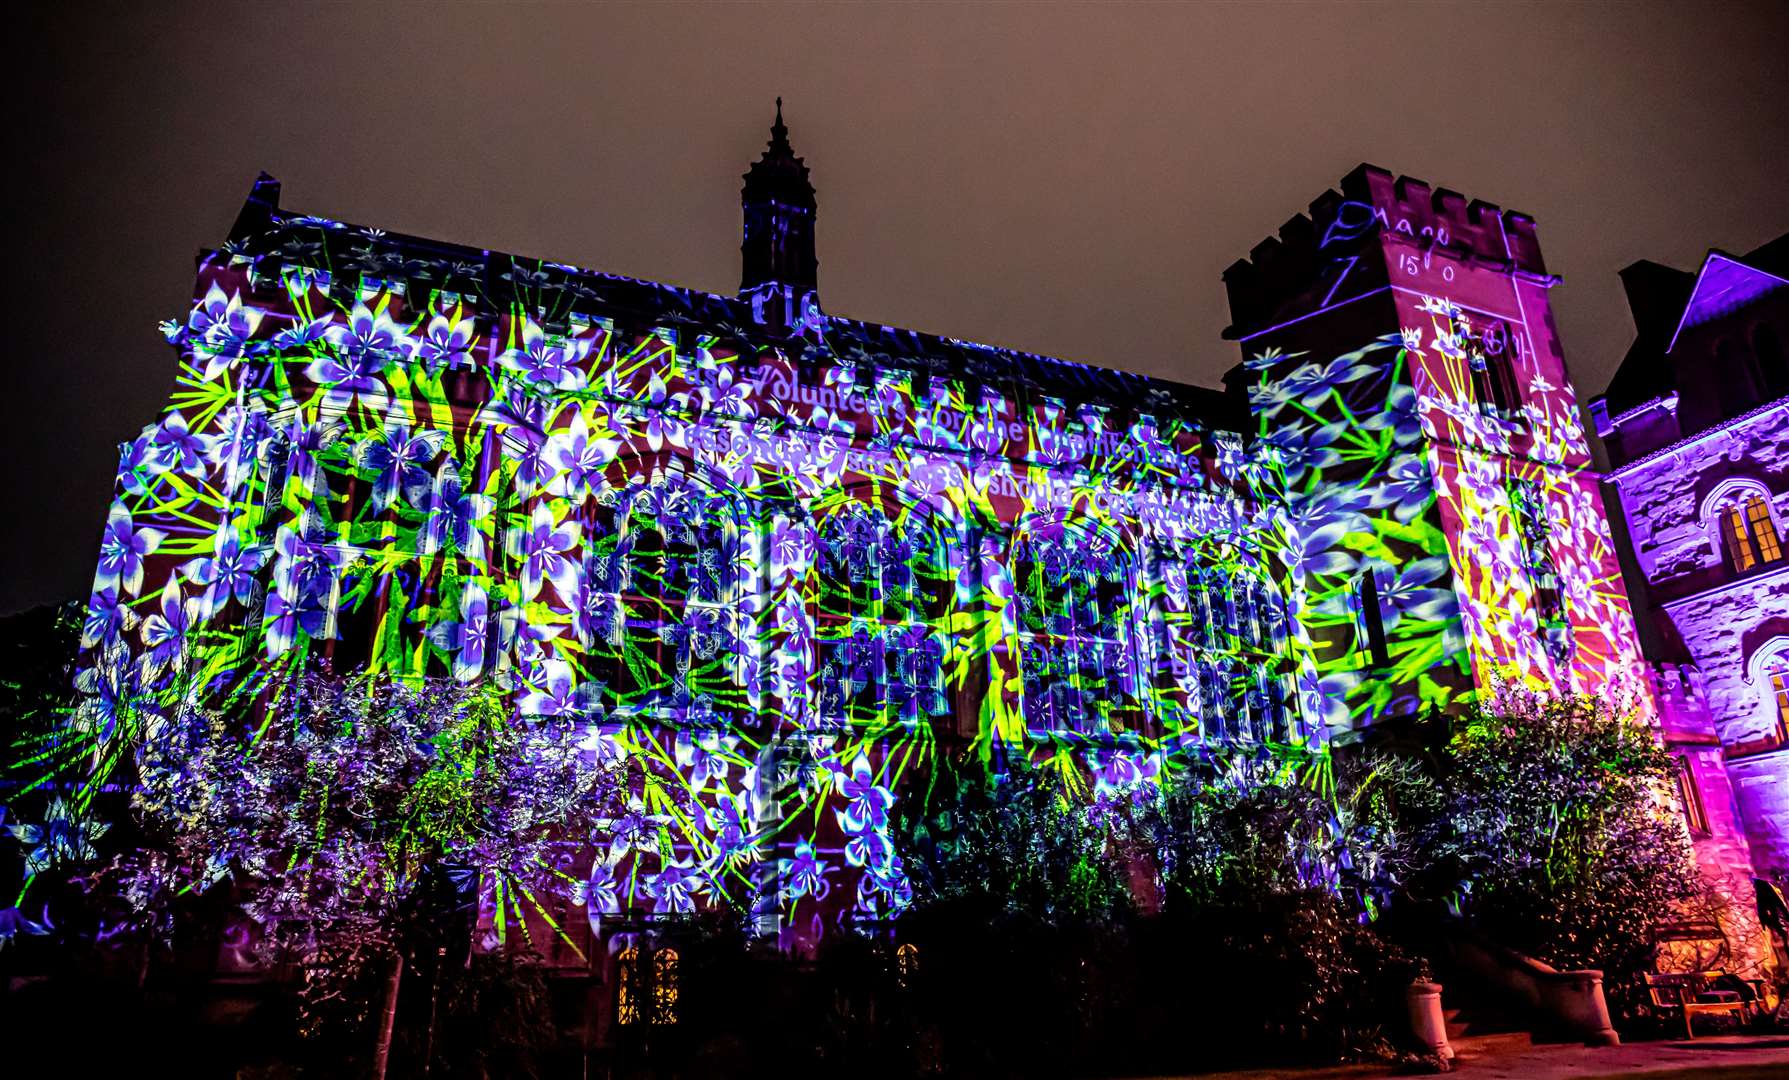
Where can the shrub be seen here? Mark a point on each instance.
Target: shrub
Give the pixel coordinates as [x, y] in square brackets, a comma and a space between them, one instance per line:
[1025, 843]
[1548, 824]
[1252, 944]
[1272, 882]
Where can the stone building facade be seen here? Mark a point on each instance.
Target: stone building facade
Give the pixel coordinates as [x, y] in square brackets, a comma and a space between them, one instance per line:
[1449, 533]
[1696, 423]
[795, 563]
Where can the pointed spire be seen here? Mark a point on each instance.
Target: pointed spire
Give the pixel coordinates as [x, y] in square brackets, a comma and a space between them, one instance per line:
[778, 149]
[778, 202]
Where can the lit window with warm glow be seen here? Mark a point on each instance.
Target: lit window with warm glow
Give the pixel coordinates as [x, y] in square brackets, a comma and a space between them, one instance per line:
[646, 986]
[627, 995]
[1694, 815]
[1779, 689]
[1750, 534]
[906, 964]
[664, 987]
[1764, 530]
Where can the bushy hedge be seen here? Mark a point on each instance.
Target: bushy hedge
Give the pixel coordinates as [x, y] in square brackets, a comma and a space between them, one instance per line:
[1549, 824]
[1224, 922]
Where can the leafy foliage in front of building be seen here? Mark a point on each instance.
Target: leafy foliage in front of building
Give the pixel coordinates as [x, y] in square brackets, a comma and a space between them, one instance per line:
[1549, 824]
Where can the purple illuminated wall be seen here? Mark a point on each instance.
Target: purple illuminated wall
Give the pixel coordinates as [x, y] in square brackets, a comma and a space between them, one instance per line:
[1697, 428]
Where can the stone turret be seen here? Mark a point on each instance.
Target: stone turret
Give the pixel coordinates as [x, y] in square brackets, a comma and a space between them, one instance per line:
[778, 200]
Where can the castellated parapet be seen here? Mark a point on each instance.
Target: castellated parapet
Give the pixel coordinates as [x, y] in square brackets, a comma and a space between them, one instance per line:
[1371, 202]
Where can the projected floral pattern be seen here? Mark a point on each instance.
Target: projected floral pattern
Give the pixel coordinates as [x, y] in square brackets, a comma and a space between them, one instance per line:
[1465, 530]
[795, 572]
[790, 574]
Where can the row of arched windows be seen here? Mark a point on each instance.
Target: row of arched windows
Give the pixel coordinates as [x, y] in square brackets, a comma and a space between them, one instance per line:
[651, 579]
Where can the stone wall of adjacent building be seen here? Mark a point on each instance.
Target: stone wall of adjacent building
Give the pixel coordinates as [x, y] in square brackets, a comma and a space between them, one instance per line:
[1722, 622]
[1716, 827]
[1761, 787]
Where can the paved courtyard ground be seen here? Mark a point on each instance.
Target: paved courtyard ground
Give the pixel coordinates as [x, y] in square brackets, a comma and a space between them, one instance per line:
[1733, 1057]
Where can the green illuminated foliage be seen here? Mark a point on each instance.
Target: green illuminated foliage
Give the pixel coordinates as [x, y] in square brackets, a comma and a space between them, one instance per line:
[1549, 824]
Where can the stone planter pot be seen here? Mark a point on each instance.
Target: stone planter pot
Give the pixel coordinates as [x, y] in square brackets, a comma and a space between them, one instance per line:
[1427, 1021]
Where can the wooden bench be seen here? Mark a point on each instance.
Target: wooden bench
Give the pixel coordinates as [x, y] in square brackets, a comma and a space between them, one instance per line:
[1692, 995]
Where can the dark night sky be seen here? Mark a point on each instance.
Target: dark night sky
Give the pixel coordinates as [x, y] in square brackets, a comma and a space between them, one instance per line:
[1070, 180]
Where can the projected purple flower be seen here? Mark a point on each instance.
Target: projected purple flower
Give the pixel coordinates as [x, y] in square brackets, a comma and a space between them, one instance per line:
[104, 618]
[398, 461]
[445, 343]
[1318, 551]
[866, 802]
[457, 516]
[466, 639]
[122, 548]
[806, 874]
[164, 633]
[1407, 489]
[228, 572]
[674, 888]
[176, 448]
[306, 564]
[366, 346]
[219, 330]
[542, 547]
[544, 365]
[578, 459]
[1408, 595]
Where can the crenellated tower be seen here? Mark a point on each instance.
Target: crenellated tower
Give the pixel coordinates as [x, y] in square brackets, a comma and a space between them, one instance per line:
[1405, 377]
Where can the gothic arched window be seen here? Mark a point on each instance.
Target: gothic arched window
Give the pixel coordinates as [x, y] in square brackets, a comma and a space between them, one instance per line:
[647, 986]
[1769, 669]
[368, 495]
[906, 964]
[666, 987]
[883, 591]
[1746, 526]
[1491, 350]
[1169, 634]
[1071, 588]
[627, 987]
[1268, 712]
[1208, 600]
[654, 607]
[1260, 611]
[1534, 528]
[1215, 619]
[1219, 715]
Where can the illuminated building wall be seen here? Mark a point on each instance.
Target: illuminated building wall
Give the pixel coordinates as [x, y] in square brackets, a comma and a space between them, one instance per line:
[790, 560]
[1402, 366]
[1696, 423]
[794, 562]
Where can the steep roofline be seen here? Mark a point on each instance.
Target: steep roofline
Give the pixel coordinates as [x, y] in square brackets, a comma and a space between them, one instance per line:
[263, 213]
[1708, 261]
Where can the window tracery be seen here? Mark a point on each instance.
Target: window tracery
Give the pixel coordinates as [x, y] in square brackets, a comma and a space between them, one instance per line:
[1745, 526]
[1078, 661]
[1769, 669]
[654, 604]
[882, 592]
[1534, 528]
